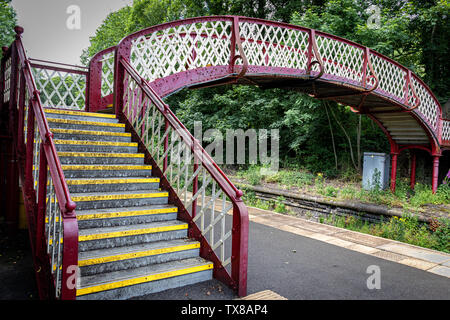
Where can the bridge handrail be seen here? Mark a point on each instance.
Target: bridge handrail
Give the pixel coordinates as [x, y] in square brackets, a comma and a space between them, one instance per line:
[52, 217]
[176, 152]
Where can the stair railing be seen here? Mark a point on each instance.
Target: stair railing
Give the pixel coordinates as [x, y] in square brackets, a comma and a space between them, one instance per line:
[200, 189]
[52, 222]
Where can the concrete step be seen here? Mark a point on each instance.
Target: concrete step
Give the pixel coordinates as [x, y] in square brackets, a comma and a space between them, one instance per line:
[130, 283]
[100, 158]
[85, 125]
[96, 146]
[74, 134]
[99, 200]
[135, 256]
[80, 115]
[113, 217]
[106, 171]
[112, 237]
[83, 185]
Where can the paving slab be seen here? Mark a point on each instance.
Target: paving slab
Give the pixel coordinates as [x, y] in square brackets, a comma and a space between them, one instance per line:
[415, 252]
[441, 270]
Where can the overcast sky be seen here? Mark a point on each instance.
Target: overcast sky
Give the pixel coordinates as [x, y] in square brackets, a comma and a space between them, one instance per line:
[52, 34]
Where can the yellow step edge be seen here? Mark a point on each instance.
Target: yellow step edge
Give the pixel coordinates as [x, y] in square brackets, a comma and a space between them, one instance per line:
[80, 113]
[81, 122]
[116, 197]
[101, 154]
[100, 167]
[153, 277]
[140, 254]
[120, 196]
[97, 143]
[126, 233]
[121, 214]
[89, 132]
[110, 181]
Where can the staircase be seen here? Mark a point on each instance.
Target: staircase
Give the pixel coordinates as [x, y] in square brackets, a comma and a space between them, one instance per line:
[130, 241]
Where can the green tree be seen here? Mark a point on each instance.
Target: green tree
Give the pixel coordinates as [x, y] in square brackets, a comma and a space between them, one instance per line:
[7, 23]
[108, 34]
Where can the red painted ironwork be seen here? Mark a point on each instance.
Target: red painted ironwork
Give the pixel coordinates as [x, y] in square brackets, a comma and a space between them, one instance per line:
[105, 85]
[413, 170]
[434, 184]
[29, 97]
[239, 257]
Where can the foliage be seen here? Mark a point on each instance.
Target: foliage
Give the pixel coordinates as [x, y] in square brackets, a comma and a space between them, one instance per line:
[412, 32]
[7, 23]
[405, 229]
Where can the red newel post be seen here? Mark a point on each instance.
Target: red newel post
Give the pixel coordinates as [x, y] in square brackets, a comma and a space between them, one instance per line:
[413, 169]
[393, 171]
[435, 173]
[239, 247]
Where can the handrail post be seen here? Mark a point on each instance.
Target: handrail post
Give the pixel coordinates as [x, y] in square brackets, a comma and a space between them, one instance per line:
[41, 201]
[21, 114]
[195, 183]
[166, 141]
[239, 246]
[94, 85]
[29, 150]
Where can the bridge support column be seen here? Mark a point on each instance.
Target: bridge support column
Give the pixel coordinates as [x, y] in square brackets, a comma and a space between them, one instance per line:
[394, 156]
[413, 169]
[435, 173]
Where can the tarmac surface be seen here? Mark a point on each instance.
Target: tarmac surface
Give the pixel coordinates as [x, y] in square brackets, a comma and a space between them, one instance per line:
[300, 268]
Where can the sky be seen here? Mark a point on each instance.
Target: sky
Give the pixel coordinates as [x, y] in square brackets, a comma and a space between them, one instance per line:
[59, 30]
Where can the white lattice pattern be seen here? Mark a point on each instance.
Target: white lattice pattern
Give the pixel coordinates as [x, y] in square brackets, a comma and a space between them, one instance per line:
[341, 59]
[428, 105]
[392, 78]
[446, 130]
[7, 81]
[107, 73]
[211, 201]
[267, 45]
[181, 48]
[60, 89]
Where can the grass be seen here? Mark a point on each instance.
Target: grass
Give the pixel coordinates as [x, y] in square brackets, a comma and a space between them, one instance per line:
[405, 229]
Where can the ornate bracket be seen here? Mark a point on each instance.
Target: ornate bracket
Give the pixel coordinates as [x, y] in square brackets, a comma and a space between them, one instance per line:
[312, 49]
[366, 64]
[236, 41]
[410, 85]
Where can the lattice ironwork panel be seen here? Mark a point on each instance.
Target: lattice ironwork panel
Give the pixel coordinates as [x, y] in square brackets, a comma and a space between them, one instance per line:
[60, 89]
[108, 73]
[341, 59]
[392, 78]
[274, 46]
[181, 48]
[446, 130]
[428, 105]
[7, 81]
